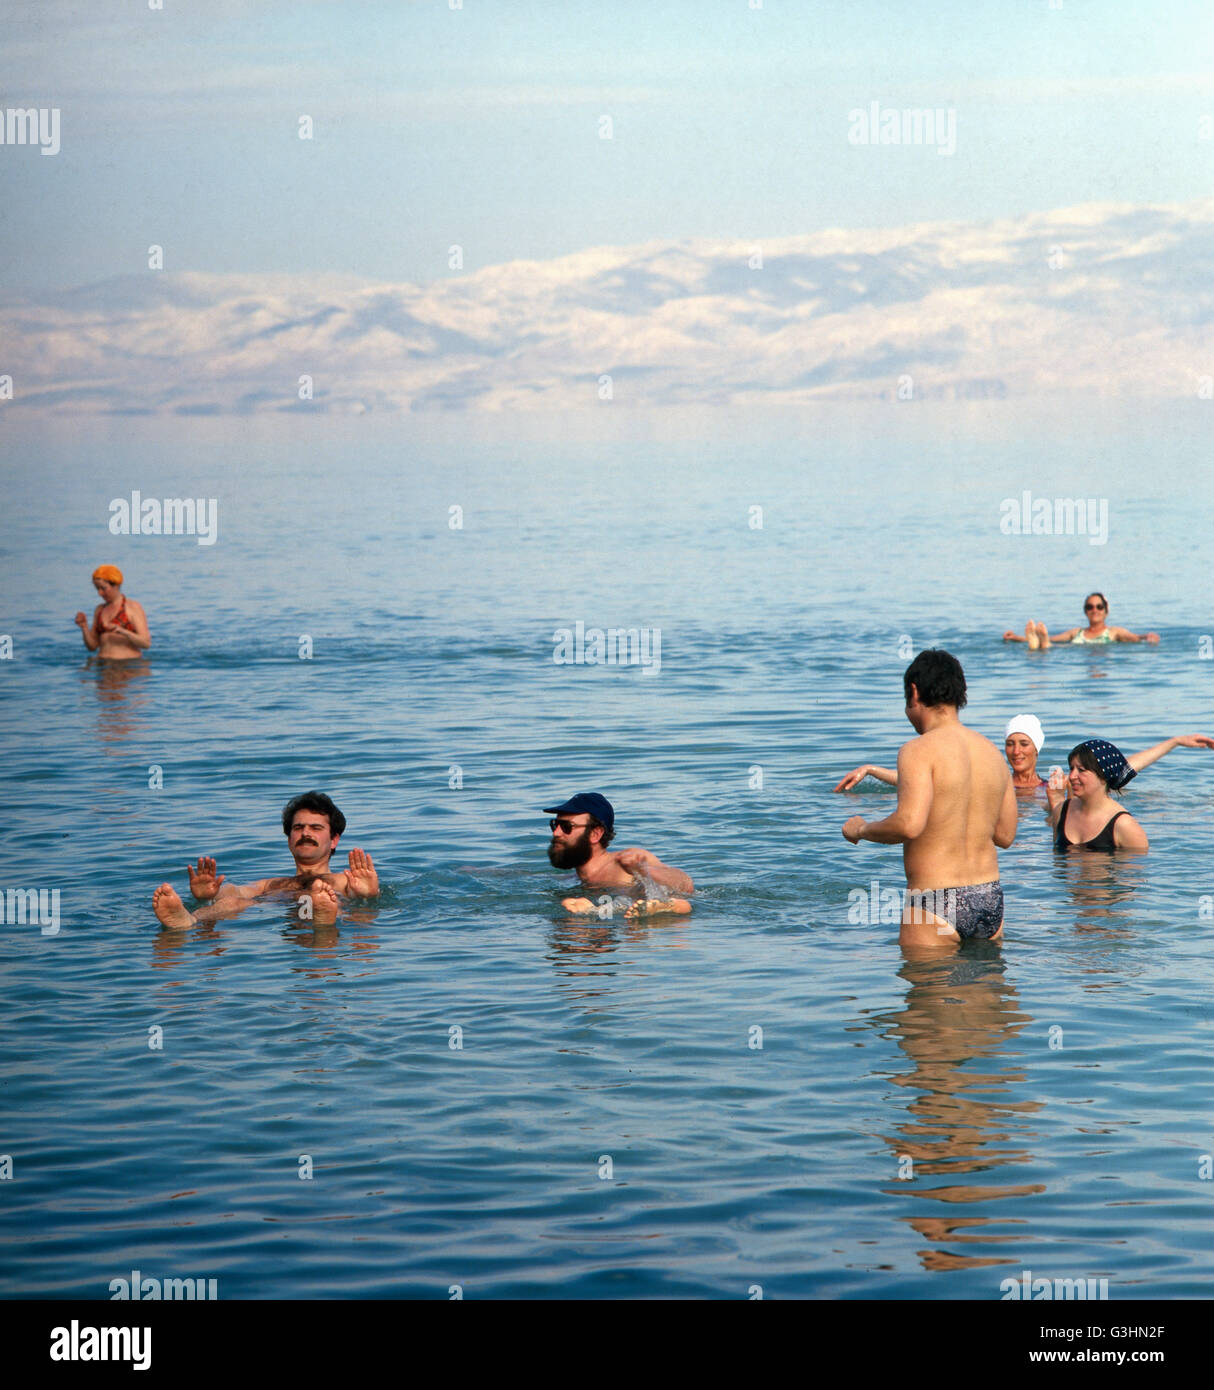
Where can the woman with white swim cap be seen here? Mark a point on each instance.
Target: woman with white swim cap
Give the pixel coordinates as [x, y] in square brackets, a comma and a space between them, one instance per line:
[1023, 739]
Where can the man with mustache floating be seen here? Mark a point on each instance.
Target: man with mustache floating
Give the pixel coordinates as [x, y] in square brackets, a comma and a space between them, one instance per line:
[313, 825]
[582, 829]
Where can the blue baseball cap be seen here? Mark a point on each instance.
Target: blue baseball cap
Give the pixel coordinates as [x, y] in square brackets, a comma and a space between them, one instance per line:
[590, 802]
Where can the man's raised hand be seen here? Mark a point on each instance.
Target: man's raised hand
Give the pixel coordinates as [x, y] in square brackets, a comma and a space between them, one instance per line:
[203, 882]
[361, 879]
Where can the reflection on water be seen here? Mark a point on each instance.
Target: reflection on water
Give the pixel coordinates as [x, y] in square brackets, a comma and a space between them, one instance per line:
[284, 1037]
[321, 937]
[579, 937]
[171, 947]
[122, 691]
[1101, 889]
[960, 1122]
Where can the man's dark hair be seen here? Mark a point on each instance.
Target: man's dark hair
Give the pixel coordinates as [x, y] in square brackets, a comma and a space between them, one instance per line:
[313, 801]
[608, 831]
[938, 677]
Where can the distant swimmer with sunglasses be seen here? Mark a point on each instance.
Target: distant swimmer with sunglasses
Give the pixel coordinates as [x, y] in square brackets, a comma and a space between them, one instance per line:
[1097, 632]
[582, 829]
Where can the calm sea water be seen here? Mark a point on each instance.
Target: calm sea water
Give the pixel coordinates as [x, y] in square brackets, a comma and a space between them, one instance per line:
[907, 1129]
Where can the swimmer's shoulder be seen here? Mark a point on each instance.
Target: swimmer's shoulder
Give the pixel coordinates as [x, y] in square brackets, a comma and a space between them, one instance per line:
[945, 742]
[610, 880]
[956, 753]
[977, 740]
[614, 856]
[1127, 833]
[991, 752]
[914, 753]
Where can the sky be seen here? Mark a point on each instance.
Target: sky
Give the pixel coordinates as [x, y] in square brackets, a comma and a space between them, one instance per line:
[481, 127]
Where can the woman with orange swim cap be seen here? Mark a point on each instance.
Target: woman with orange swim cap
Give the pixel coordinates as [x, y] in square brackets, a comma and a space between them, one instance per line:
[119, 629]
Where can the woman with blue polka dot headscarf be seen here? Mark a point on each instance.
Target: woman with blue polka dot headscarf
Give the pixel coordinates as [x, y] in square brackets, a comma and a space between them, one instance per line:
[1086, 816]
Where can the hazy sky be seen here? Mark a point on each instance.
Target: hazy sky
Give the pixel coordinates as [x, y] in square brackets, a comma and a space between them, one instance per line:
[481, 126]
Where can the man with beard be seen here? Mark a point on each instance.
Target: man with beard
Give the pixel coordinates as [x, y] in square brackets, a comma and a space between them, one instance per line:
[582, 829]
[313, 825]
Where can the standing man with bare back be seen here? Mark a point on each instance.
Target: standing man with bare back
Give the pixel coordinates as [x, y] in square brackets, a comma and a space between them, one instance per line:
[956, 806]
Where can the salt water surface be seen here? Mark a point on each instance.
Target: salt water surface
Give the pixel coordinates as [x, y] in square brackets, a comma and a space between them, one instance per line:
[459, 1085]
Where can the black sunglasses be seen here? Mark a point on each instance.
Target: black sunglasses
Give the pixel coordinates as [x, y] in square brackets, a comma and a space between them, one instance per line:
[566, 825]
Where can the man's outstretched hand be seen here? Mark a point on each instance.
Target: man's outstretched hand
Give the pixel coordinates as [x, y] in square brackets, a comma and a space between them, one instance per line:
[203, 882]
[854, 777]
[361, 879]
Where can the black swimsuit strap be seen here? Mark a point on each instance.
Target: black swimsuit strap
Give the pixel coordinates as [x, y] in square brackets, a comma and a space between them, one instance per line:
[1105, 829]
